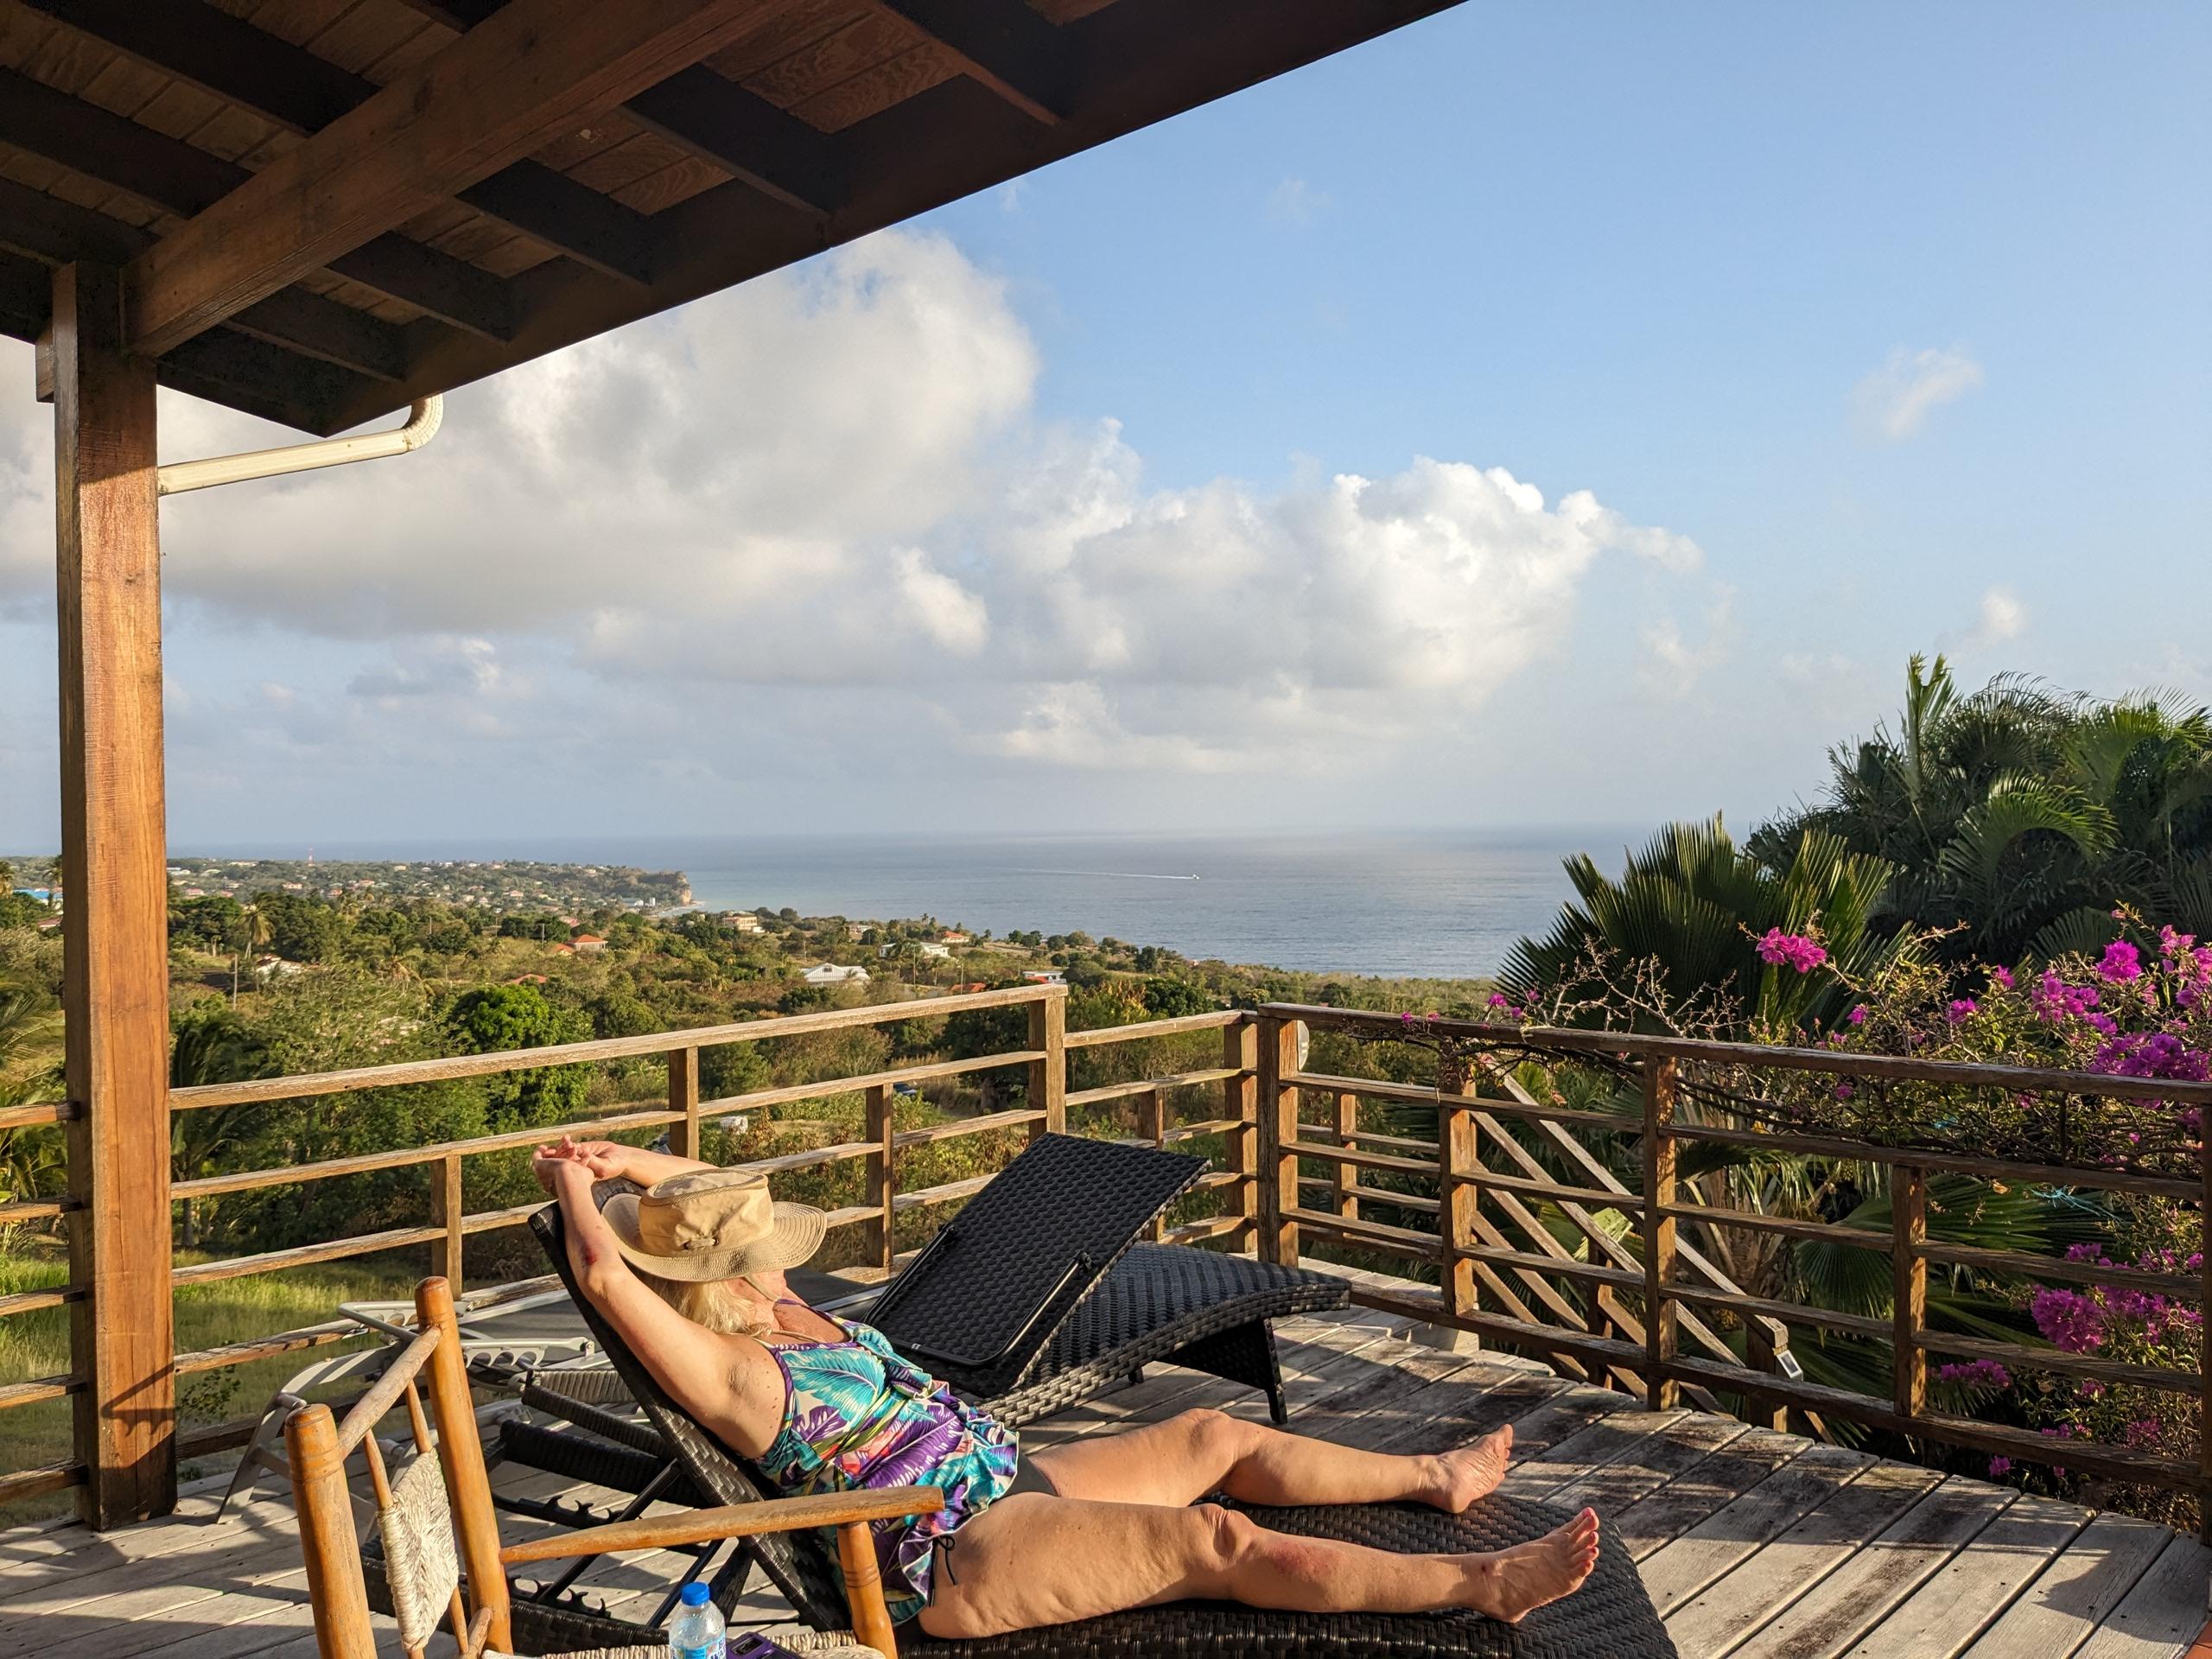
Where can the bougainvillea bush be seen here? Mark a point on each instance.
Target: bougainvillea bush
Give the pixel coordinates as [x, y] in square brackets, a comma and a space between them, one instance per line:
[2140, 1007]
[2136, 1005]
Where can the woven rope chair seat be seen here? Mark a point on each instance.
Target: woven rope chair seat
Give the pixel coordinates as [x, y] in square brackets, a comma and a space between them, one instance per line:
[420, 1563]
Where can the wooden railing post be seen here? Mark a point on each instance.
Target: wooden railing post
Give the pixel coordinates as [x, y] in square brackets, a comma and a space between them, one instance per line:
[1278, 1124]
[682, 1097]
[1240, 1095]
[878, 1178]
[115, 969]
[1659, 1307]
[449, 1211]
[1344, 1188]
[1460, 1135]
[1048, 1077]
[1152, 1128]
[1909, 1272]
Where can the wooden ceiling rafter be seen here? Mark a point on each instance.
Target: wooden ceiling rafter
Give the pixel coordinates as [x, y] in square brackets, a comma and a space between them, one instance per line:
[531, 70]
[181, 179]
[293, 88]
[1002, 44]
[713, 118]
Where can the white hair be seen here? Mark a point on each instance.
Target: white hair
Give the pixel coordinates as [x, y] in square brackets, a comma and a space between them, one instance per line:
[731, 1307]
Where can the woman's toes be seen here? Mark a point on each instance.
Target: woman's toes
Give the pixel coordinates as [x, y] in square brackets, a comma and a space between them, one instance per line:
[1472, 1472]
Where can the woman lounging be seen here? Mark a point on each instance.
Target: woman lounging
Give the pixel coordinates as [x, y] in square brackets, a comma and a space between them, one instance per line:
[691, 1275]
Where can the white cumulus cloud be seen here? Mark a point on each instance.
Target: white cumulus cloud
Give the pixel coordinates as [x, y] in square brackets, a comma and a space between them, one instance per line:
[834, 478]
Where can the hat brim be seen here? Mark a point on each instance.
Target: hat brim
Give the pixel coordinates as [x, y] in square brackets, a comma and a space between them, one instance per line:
[792, 1239]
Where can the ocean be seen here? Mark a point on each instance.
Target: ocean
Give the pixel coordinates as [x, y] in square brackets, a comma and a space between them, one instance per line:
[1440, 905]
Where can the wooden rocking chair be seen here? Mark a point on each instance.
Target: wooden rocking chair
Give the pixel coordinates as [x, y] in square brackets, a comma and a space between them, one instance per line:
[436, 1516]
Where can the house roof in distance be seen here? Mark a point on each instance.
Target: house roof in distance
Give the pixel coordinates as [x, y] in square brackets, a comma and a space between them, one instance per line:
[325, 212]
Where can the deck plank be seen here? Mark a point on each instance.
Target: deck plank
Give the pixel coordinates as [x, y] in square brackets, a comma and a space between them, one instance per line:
[2065, 1603]
[1724, 1612]
[1942, 1617]
[2161, 1612]
[1639, 1472]
[1692, 1497]
[1855, 1597]
[1677, 1571]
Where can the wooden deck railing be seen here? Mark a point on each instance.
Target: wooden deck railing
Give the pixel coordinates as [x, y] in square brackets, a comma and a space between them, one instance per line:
[449, 1224]
[1556, 1229]
[1639, 1318]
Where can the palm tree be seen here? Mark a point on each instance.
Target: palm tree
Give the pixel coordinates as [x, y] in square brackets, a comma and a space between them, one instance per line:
[253, 933]
[213, 1044]
[2018, 819]
[1690, 904]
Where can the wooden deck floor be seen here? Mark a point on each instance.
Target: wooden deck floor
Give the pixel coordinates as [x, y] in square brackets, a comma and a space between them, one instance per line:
[1754, 1544]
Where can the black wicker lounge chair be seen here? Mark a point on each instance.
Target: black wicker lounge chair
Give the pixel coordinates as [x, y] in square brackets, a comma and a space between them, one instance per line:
[1609, 1615]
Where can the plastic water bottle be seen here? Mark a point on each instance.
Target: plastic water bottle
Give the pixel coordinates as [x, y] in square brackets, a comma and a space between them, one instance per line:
[698, 1631]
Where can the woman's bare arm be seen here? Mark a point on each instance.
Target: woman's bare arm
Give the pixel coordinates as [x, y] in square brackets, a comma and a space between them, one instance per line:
[726, 1383]
[610, 1160]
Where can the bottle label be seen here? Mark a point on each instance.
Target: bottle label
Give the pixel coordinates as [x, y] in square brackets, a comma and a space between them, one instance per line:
[705, 1650]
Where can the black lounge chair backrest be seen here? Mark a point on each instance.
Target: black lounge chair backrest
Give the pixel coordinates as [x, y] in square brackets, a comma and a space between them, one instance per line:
[803, 1564]
[981, 1301]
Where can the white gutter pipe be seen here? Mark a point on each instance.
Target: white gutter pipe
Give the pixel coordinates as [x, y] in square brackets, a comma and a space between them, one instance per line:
[422, 421]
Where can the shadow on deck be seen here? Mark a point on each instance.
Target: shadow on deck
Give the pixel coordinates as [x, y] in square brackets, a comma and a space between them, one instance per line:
[1753, 1543]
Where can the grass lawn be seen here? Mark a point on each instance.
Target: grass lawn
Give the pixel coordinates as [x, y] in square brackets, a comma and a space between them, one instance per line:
[208, 1316]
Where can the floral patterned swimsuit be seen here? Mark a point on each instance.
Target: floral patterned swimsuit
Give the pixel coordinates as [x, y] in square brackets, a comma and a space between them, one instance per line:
[857, 1414]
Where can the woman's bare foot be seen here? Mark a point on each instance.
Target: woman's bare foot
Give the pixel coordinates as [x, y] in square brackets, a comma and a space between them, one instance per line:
[1510, 1583]
[1471, 1472]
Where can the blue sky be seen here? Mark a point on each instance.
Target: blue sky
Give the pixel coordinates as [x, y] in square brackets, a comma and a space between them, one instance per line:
[1894, 320]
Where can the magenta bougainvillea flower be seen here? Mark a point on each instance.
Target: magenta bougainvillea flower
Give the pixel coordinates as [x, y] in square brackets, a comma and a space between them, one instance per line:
[1796, 951]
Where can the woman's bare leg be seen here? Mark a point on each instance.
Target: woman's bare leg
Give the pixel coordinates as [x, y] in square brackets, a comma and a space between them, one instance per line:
[1180, 1460]
[1031, 1560]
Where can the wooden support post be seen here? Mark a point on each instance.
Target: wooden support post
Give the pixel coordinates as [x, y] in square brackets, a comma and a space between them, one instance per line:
[460, 1459]
[1459, 1134]
[338, 1597]
[1152, 1127]
[682, 1097]
[1278, 1124]
[1048, 1077]
[115, 992]
[1342, 1187]
[449, 1210]
[878, 1178]
[1240, 1047]
[1909, 1272]
[1659, 1308]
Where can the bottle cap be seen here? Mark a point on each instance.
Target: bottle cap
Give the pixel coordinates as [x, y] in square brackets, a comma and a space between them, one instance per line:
[693, 1594]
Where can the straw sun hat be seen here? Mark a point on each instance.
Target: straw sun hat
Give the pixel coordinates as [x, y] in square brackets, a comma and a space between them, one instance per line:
[712, 1224]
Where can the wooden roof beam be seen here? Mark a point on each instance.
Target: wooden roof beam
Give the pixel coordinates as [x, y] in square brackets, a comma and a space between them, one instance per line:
[1002, 43]
[526, 75]
[174, 177]
[743, 133]
[57, 232]
[225, 367]
[710, 116]
[303, 93]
